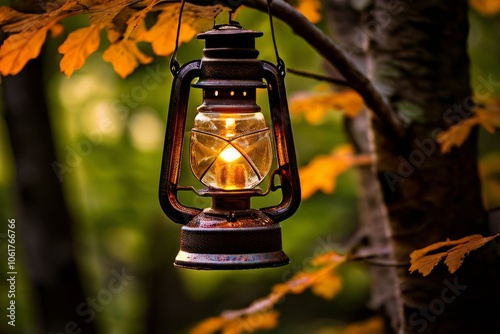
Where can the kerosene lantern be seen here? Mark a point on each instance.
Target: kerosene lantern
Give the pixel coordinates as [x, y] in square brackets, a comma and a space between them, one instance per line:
[231, 152]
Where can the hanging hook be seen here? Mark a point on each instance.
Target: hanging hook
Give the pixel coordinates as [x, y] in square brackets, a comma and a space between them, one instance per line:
[280, 64]
[174, 64]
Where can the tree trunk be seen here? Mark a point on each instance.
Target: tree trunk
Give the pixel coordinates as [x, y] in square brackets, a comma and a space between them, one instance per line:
[372, 238]
[42, 215]
[417, 56]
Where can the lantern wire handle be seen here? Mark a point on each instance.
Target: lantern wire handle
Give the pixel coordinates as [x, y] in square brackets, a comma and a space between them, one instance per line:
[279, 62]
[174, 64]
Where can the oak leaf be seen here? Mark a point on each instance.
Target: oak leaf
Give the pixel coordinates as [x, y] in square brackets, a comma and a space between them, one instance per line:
[194, 19]
[19, 48]
[79, 44]
[424, 262]
[125, 56]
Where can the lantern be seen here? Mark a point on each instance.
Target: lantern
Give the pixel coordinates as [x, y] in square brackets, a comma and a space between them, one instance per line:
[231, 152]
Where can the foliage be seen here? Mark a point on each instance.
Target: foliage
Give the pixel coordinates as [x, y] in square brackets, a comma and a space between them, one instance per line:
[323, 281]
[425, 259]
[123, 20]
[125, 24]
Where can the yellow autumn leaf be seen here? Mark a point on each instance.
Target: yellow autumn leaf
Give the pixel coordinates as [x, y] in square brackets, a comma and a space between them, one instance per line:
[19, 48]
[315, 105]
[125, 57]
[310, 9]
[424, 262]
[486, 7]
[321, 173]
[77, 47]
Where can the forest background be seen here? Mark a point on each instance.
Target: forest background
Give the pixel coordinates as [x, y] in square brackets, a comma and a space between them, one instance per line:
[111, 182]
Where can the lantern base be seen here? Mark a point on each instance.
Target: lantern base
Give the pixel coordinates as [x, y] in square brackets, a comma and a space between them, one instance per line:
[230, 261]
[250, 241]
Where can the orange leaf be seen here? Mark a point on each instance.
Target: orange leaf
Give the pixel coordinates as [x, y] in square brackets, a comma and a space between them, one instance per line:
[327, 258]
[194, 19]
[208, 326]
[424, 262]
[30, 34]
[79, 44]
[456, 255]
[322, 172]
[373, 325]
[310, 9]
[328, 286]
[252, 323]
[456, 134]
[125, 56]
[489, 117]
[19, 48]
[315, 106]
[486, 7]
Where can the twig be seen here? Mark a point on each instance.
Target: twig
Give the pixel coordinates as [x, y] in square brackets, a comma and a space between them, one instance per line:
[319, 77]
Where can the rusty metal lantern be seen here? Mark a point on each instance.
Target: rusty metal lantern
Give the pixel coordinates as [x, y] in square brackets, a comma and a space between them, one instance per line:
[231, 151]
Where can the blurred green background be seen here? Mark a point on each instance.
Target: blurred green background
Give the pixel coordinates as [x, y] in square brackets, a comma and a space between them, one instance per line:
[117, 131]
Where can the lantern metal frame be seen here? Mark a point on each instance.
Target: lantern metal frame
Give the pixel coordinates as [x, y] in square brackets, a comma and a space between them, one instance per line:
[230, 234]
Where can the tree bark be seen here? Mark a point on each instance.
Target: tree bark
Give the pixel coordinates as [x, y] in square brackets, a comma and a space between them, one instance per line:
[42, 215]
[417, 55]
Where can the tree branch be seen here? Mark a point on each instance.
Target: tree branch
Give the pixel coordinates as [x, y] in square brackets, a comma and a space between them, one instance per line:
[327, 48]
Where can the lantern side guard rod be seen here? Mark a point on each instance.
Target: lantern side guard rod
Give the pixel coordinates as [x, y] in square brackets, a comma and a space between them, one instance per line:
[288, 171]
[174, 137]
